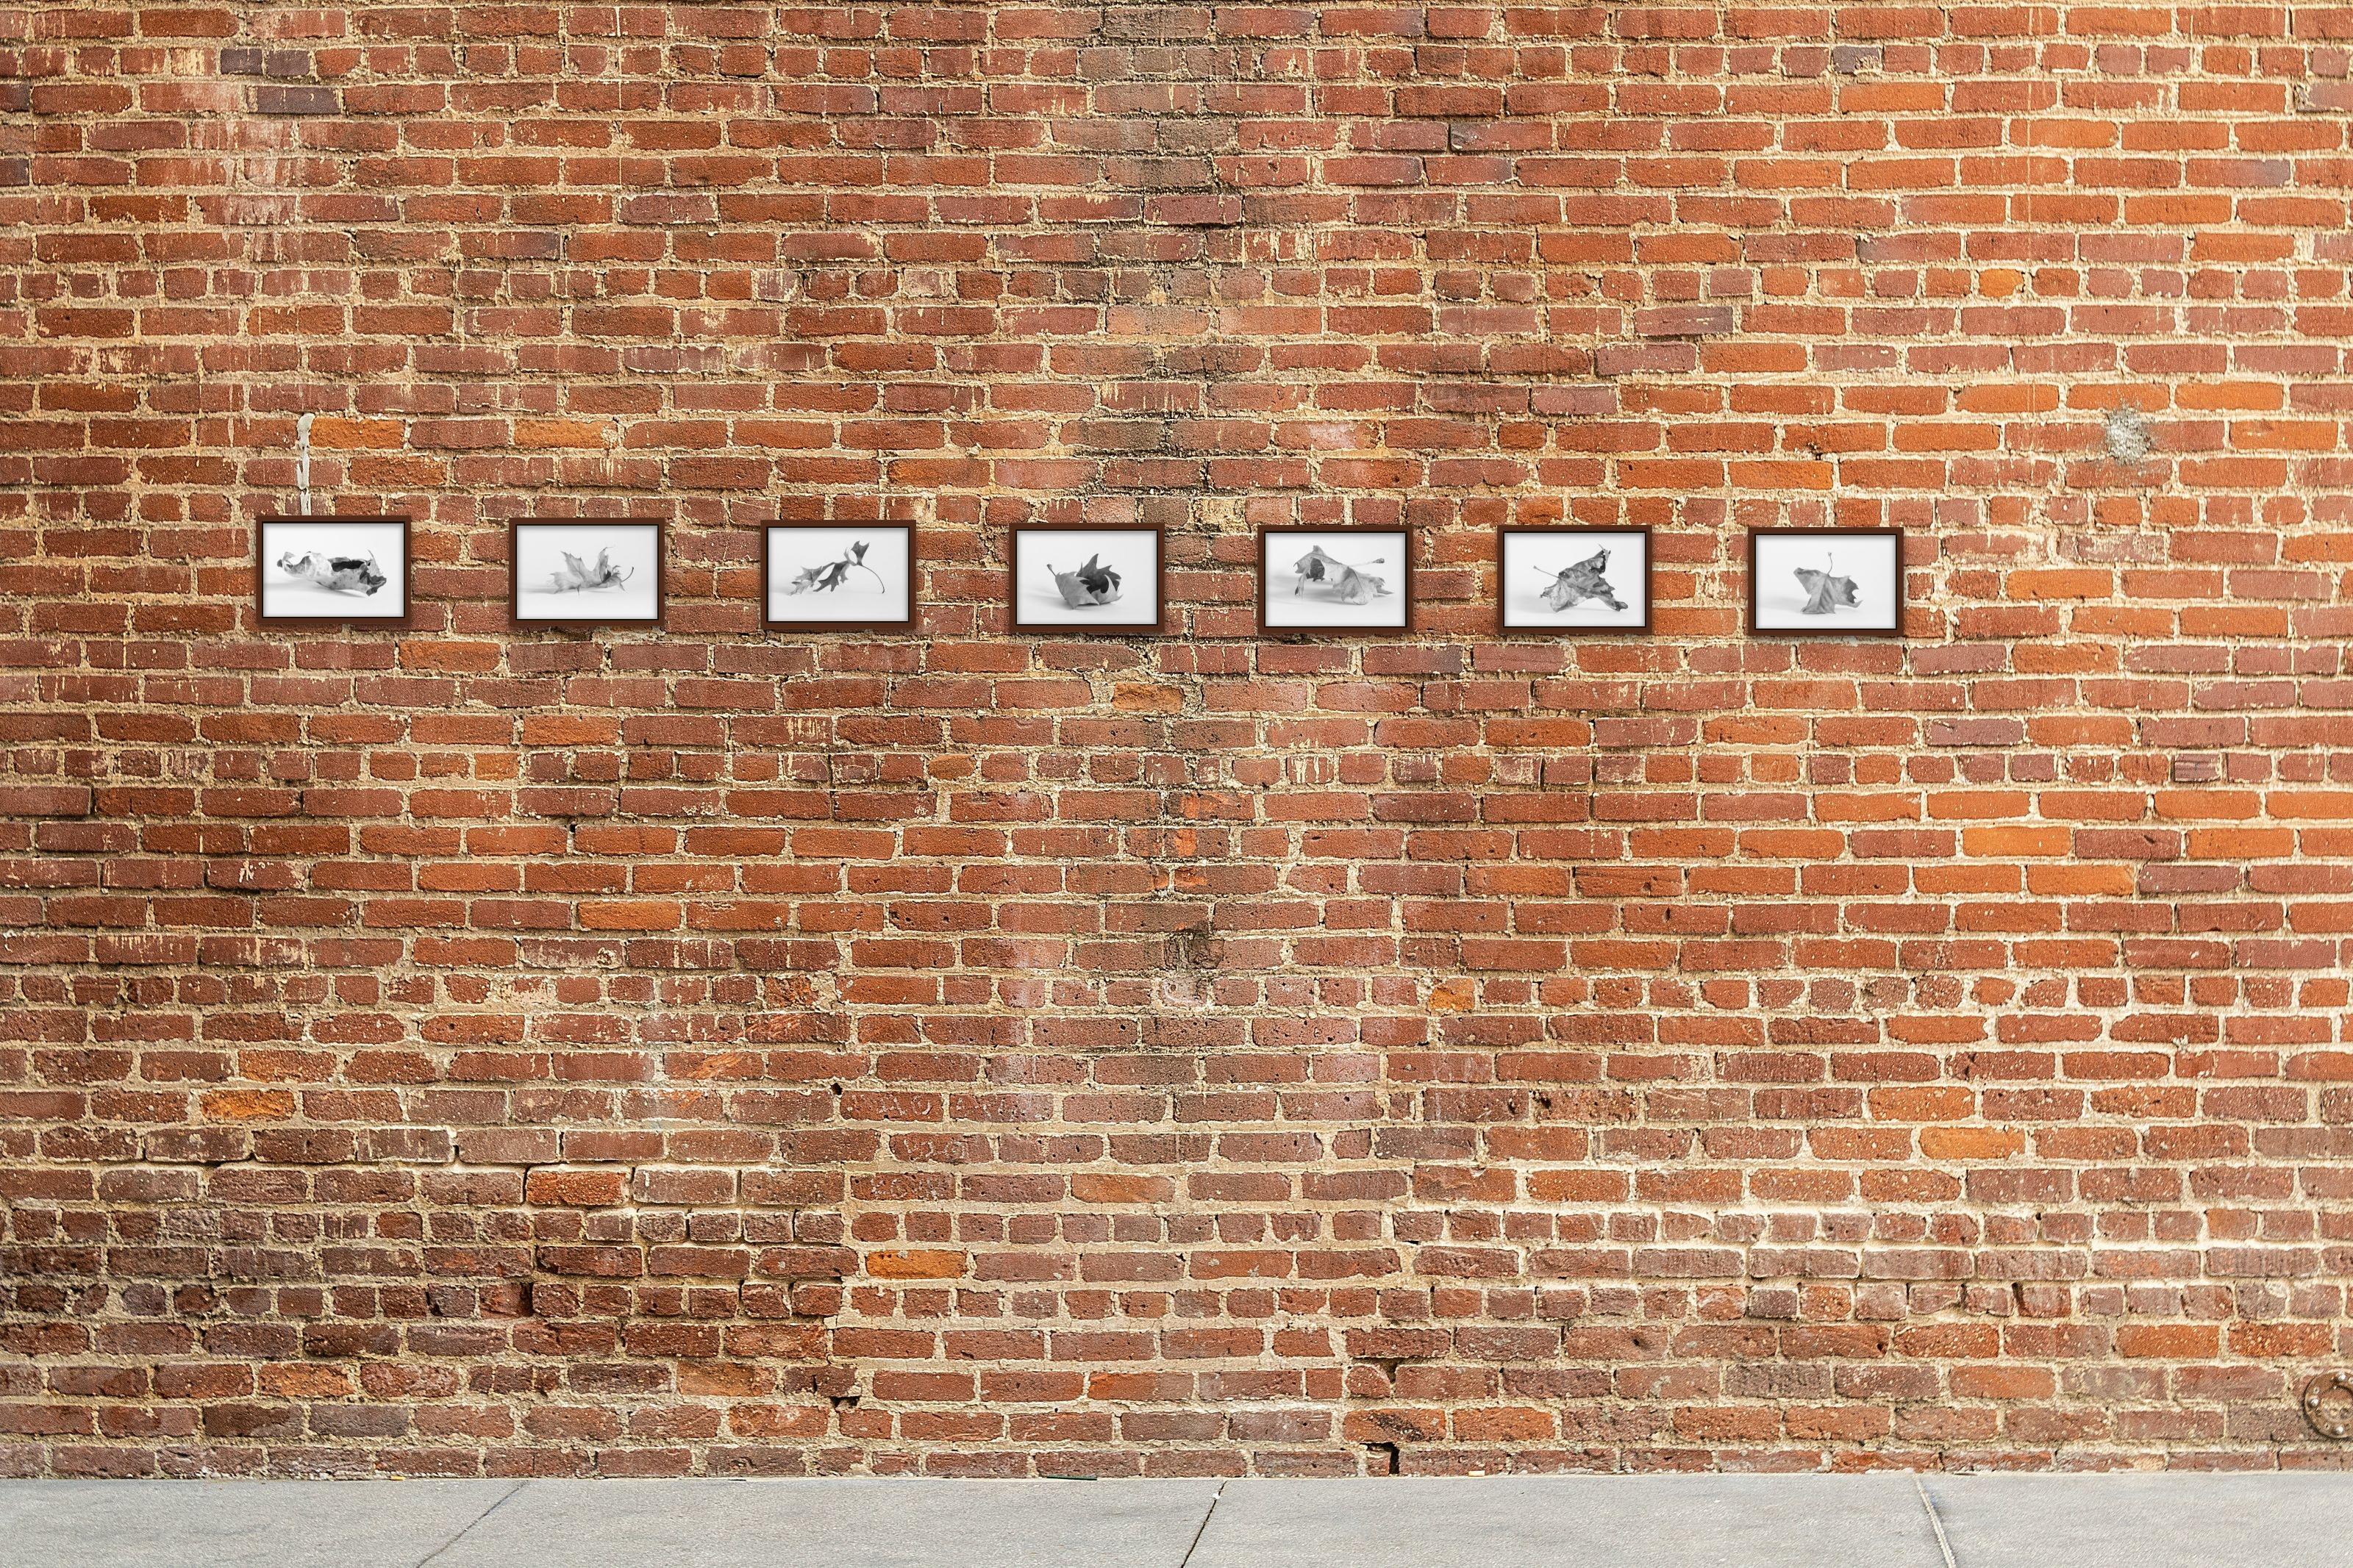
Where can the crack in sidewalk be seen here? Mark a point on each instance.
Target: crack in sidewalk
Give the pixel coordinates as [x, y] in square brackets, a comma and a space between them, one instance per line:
[1195, 1544]
[1943, 1547]
[505, 1497]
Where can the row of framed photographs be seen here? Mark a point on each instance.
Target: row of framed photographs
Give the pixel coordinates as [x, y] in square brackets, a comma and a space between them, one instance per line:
[832, 577]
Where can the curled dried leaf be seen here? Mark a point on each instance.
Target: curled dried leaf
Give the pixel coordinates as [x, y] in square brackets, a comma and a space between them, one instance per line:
[1092, 584]
[1825, 592]
[1573, 585]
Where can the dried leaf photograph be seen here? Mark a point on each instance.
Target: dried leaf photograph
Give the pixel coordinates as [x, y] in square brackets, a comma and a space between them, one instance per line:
[333, 570]
[830, 577]
[586, 572]
[1575, 579]
[1073, 579]
[1333, 579]
[1826, 582]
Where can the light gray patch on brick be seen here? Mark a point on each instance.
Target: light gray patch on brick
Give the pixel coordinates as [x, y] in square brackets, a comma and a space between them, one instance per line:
[2128, 436]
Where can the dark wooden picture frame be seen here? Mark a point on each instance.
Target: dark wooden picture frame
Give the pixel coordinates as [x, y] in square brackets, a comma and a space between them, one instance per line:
[1013, 582]
[515, 529]
[1505, 535]
[1896, 589]
[1401, 532]
[400, 622]
[768, 532]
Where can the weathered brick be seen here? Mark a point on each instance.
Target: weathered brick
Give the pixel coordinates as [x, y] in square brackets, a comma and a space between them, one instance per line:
[456, 1051]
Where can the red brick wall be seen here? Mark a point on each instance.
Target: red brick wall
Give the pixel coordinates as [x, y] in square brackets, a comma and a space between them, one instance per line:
[469, 1051]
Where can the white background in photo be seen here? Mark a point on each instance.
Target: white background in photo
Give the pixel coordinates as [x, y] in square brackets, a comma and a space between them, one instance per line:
[860, 599]
[539, 556]
[285, 595]
[1132, 552]
[1868, 558]
[1532, 560]
[1379, 553]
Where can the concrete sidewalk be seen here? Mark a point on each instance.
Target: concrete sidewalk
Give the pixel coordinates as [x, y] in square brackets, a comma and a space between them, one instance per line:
[2188, 1520]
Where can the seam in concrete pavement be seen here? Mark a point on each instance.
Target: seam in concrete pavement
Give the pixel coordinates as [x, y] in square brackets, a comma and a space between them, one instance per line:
[1195, 1544]
[1944, 1546]
[503, 1499]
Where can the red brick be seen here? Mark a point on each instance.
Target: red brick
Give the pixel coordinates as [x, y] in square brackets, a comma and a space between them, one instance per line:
[453, 1050]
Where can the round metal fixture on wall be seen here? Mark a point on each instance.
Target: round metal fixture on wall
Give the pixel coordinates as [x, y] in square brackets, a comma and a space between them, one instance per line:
[2327, 1403]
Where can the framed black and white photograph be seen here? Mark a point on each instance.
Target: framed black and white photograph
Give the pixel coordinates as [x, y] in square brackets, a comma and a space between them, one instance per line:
[585, 571]
[1081, 579]
[332, 570]
[1826, 582]
[825, 577]
[1573, 579]
[1335, 580]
